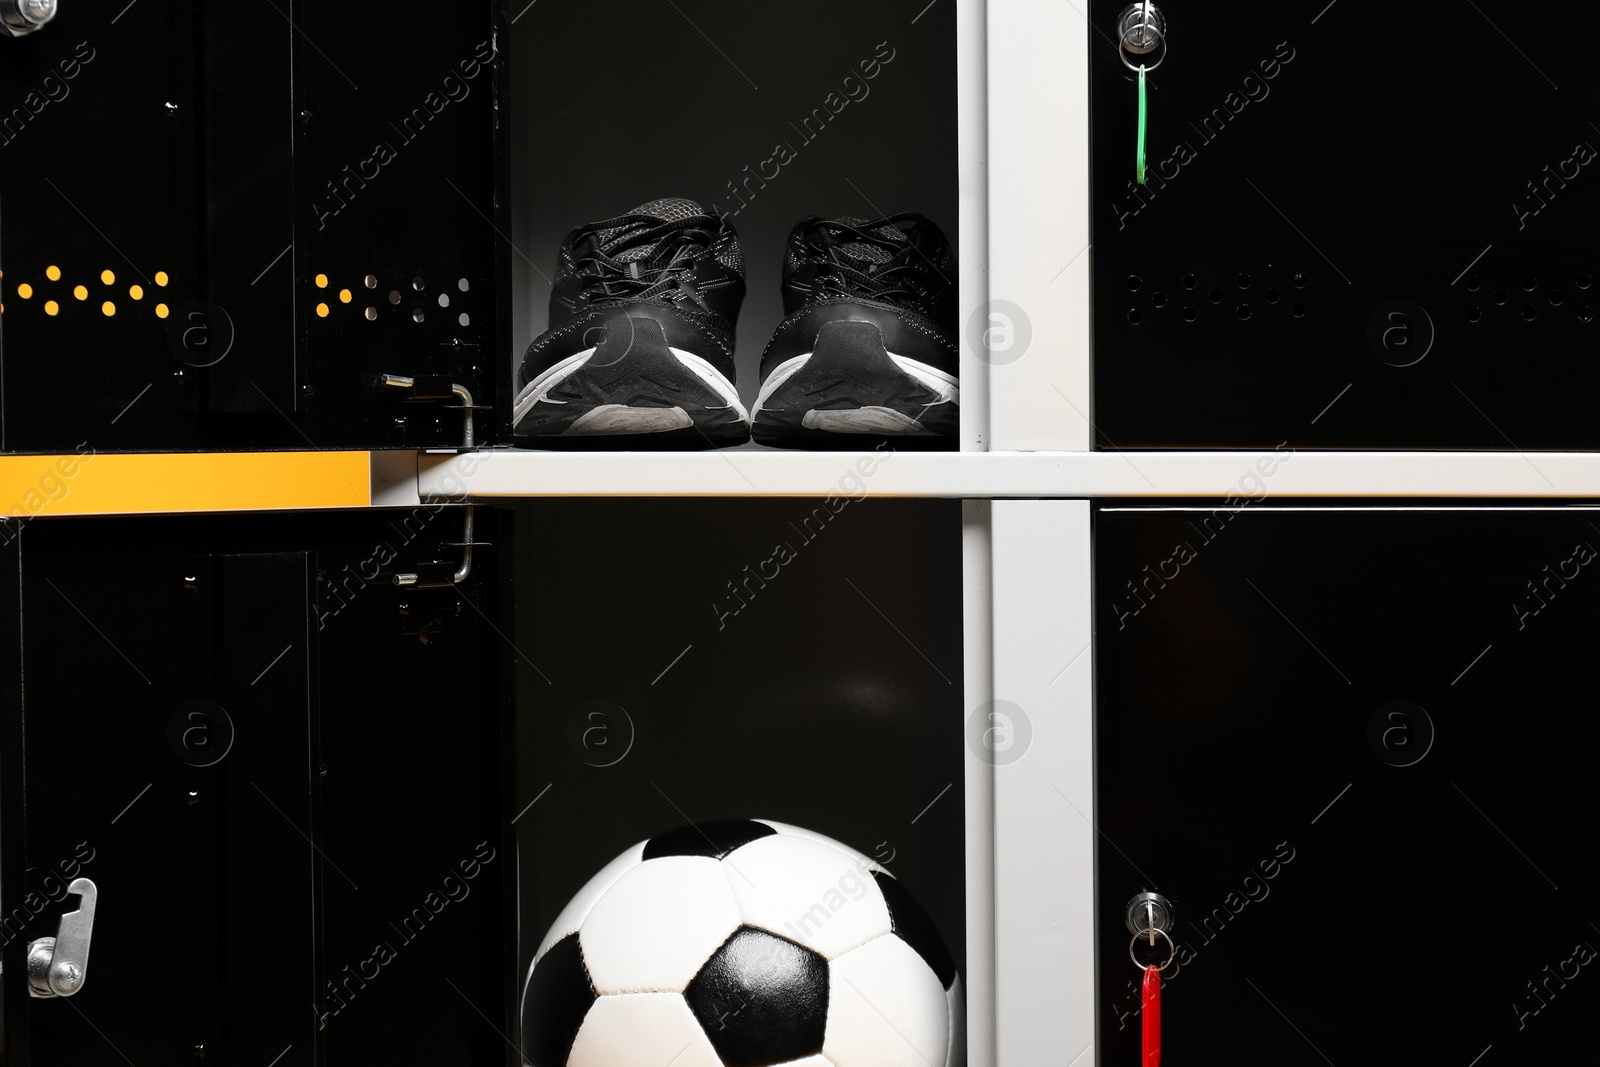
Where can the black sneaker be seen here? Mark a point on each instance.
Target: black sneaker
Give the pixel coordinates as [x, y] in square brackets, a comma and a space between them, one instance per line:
[868, 350]
[639, 352]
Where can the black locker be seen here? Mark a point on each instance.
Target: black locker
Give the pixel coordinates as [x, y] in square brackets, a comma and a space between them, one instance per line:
[1362, 226]
[286, 776]
[220, 224]
[1349, 745]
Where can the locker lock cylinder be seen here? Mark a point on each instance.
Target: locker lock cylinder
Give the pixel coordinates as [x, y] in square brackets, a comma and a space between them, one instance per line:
[1148, 915]
[1141, 30]
[19, 18]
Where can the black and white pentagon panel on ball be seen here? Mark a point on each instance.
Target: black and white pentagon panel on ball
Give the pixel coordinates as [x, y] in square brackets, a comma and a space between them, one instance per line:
[743, 944]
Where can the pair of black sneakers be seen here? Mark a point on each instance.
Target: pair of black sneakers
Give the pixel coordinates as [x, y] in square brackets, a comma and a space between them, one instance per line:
[640, 348]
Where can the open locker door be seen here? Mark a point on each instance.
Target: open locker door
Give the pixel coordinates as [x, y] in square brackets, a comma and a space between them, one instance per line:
[236, 219]
[270, 781]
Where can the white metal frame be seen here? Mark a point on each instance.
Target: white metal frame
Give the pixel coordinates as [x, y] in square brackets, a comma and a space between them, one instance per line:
[1042, 668]
[1027, 473]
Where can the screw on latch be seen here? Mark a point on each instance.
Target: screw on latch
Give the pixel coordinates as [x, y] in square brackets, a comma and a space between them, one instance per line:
[67, 977]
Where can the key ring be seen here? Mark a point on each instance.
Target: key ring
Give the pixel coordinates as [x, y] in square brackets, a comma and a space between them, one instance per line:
[1149, 68]
[1172, 949]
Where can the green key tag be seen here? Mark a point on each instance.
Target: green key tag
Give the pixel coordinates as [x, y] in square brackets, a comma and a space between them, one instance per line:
[1143, 108]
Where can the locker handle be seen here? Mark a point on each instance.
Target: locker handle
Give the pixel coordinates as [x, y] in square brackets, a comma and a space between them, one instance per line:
[437, 387]
[57, 966]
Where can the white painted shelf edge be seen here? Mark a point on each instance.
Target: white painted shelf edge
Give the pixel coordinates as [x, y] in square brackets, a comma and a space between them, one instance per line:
[1222, 477]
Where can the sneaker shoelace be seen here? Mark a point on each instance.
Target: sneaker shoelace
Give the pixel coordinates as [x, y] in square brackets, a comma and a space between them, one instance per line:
[662, 266]
[897, 276]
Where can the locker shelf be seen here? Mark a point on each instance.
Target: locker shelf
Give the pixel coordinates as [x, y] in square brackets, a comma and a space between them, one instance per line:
[1217, 476]
[122, 484]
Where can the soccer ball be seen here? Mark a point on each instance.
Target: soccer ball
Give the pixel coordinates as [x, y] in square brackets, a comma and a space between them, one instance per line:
[743, 944]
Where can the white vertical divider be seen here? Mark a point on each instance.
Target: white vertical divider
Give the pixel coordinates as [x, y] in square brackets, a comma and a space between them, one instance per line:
[1044, 843]
[1038, 226]
[978, 686]
[972, 138]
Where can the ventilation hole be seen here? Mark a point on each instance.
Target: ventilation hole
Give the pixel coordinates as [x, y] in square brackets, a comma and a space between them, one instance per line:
[322, 311]
[1272, 296]
[108, 277]
[465, 319]
[81, 292]
[1299, 311]
[1244, 281]
[1585, 313]
[322, 281]
[418, 284]
[1159, 299]
[1190, 314]
[444, 300]
[1134, 316]
[394, 296]
[1215, 296]
[161, 278]
[1474, 314]
[372, 314]
[1134, 281]
[1243, 311]
[417, 315]
[1556, 297]
[25, 290]
[52, 308]
[53, 273]
[1299, 281]
[370, 281]
[345, 296]
[136, 292]
[1583, 281]
[1472, 283]
[1190, 281]
[162, 311]
[1499, 296]
[1530, 313]
[1530, 283]
[463, 285]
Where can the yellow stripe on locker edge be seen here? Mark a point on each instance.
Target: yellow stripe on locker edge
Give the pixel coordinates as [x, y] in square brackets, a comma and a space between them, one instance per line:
[91, 483]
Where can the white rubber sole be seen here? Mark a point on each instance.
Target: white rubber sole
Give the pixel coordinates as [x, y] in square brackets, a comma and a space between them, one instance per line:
[875, 420]
[622, 419]
[538, 392]
[947, 387]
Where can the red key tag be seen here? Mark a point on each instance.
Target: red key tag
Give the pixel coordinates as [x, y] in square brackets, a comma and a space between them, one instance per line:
[1149, 916]
[1150, 1012]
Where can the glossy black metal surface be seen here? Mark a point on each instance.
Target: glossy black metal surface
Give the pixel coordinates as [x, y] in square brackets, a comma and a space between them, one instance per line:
[1363, 227]
[1349, 746]
[287, 777]
[249, 167]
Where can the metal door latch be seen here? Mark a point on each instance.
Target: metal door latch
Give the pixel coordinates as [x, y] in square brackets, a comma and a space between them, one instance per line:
[435, 387]
[58, 965]
[21, 17]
